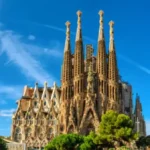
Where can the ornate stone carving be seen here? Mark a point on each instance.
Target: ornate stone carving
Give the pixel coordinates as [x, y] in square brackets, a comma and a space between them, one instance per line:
[90, 80]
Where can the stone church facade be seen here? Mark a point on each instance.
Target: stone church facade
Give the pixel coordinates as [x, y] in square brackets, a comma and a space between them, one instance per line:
[89, 87]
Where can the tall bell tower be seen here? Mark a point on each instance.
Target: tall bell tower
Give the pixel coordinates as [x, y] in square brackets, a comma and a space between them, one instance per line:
[113, 85]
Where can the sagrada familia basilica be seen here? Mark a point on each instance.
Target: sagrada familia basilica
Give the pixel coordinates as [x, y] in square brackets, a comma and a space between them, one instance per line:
[89, 87]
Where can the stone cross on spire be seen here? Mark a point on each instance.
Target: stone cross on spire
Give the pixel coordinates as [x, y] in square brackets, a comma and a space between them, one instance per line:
[67, 42]
[137, 124]
[101, 32]
[78, 34]
[111, 32]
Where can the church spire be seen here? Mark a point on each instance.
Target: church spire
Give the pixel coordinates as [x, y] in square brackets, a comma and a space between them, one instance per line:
[67, 65]
[78, 33]
[111, 33]
[101, 64]
[113, 70]
[67, 42]
[101, 32]
[113, 86]
[78, 56]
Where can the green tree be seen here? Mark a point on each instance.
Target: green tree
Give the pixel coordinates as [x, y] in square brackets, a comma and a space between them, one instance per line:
[2, 144]
[89, 142]
[141, 142]
[148, 140]
[115, 130]
[65, 142]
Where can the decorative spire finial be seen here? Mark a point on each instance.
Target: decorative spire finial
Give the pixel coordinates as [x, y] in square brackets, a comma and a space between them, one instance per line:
[55, 84]
[111, 32]
[45, 84]
[101, 34]
[111, 24]
[67, 43]
[78, 34]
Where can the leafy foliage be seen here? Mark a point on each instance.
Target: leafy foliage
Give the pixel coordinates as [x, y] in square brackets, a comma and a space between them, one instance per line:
[115, 127]
[115, 130]
[89, 143]
[2, 145]
[148, 140]
[65, 142]
[143, 141]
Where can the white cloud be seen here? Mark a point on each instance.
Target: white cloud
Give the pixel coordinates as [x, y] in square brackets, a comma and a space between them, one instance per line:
[63, 30]
[52, 51]
[142, 68]
[31, 37]
[7, 112]
[148, 127]
[9, 91]
[17, 52]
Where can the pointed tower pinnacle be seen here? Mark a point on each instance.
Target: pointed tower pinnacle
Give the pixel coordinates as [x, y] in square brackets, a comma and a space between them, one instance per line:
[78, 34]
[55, 84]
[67, 42]
[45, 84]
[111, 32]
[101, 32]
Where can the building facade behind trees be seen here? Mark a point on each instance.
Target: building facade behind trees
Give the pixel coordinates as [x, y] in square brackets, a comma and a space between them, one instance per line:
[89, 87]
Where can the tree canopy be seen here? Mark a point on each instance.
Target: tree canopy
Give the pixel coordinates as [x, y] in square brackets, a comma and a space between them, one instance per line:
[2, 144]
[65, 142]
[143, 141]
[89, 143]
[148, 140]
[115, 130]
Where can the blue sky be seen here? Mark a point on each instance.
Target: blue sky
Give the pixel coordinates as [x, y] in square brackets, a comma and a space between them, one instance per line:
[32, 35]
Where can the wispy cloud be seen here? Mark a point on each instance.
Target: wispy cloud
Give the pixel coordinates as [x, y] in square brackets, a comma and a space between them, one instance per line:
[63, 30]
[17, 52]
[7, 112]
[128, 60]
[31, 37]
[8, 92]
[52, 52]
[11, 91]
[148, 127]
[54, 49]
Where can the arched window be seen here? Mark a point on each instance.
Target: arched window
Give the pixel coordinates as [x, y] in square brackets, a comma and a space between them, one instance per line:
[54, 95]
[28, 132]
[35, 95]
[50, 133]
[18, 117]
[50, 117]
[17, 134]
[61, 127]
[54, 103]
[39, 130]
[50, 130]
[89, 128]
[44, 103]
[71, 129]
[35, 103]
